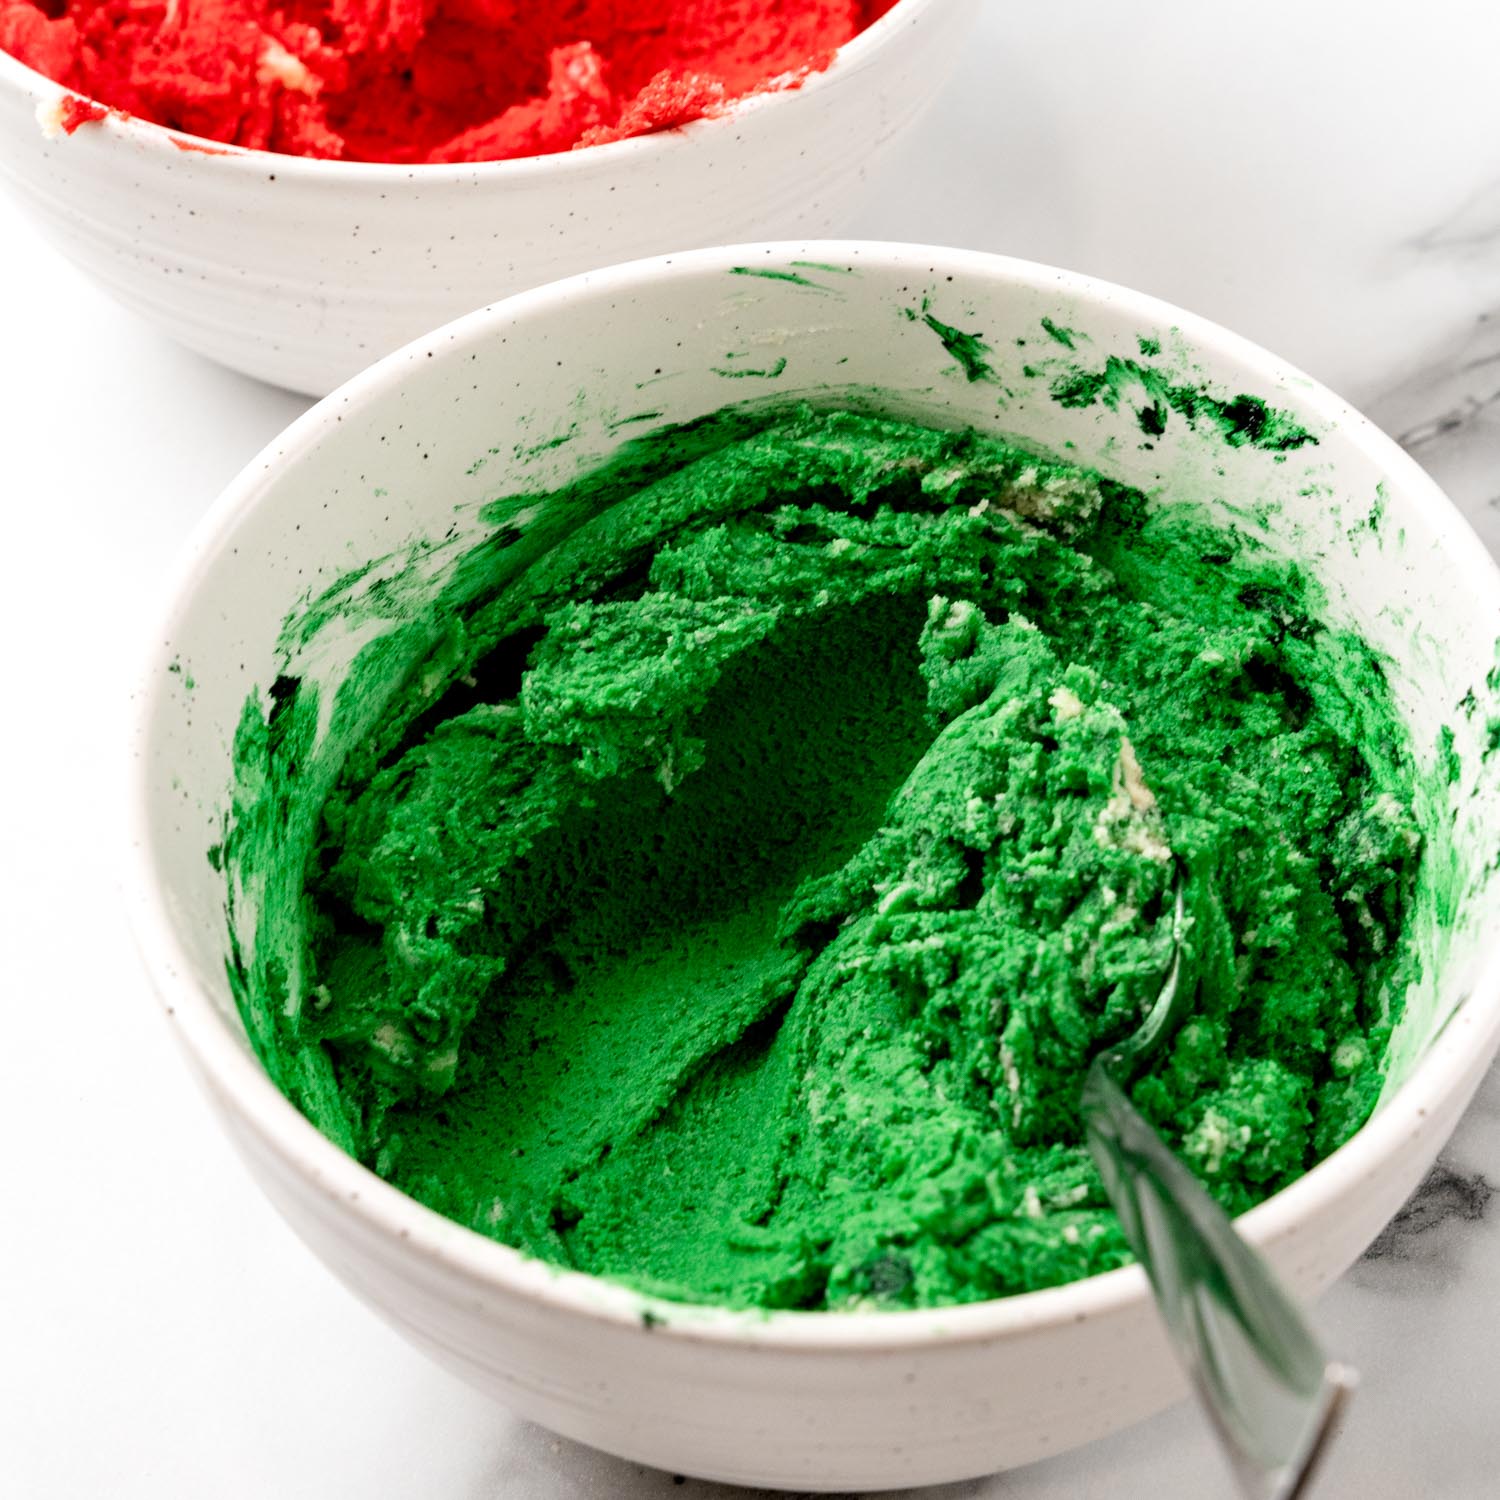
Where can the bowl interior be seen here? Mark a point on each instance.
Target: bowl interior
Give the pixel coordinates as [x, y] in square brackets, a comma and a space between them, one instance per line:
[450, 442]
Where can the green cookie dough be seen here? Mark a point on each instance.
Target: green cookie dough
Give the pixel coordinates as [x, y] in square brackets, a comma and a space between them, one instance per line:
[730, 903]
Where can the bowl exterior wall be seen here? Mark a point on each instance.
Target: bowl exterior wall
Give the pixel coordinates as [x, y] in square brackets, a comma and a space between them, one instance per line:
[752, 1414]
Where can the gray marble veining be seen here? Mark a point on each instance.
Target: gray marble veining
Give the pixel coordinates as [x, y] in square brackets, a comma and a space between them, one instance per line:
[1446, 414]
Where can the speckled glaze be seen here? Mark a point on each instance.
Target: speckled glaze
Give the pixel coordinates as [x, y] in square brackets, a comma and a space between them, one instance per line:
[528, 394]
[302, 272]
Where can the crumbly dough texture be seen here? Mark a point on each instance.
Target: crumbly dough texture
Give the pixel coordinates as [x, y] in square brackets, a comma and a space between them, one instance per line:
[427, 80]
[736, 914]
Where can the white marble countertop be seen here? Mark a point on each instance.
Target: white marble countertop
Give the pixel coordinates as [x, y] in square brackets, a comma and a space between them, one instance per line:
[1324, 179]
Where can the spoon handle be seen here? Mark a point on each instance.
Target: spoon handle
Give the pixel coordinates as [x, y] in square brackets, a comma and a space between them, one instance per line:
[1270, 1391]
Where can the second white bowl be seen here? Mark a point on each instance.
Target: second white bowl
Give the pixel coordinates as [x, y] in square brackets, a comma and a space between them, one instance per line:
[303, 272]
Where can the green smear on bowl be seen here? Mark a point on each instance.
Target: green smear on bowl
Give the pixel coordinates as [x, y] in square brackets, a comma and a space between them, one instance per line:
[968, 350]
[772, 273]
[1240, 421]
[772, 371]
[1058, 334]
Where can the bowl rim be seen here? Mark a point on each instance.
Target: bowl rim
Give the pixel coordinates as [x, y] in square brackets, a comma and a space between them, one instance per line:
[644, 149]
[489, 1269]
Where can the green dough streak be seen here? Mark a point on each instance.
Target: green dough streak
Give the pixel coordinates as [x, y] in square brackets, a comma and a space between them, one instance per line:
[724, 890]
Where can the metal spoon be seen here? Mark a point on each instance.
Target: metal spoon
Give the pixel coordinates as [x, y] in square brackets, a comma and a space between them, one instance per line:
[1270, 1391]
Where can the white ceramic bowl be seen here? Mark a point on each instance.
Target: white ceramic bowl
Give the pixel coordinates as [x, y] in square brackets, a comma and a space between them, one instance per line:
[302, 272]
[417, 444]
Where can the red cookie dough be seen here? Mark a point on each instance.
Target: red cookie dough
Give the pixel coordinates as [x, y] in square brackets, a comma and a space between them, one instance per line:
[427, 80]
